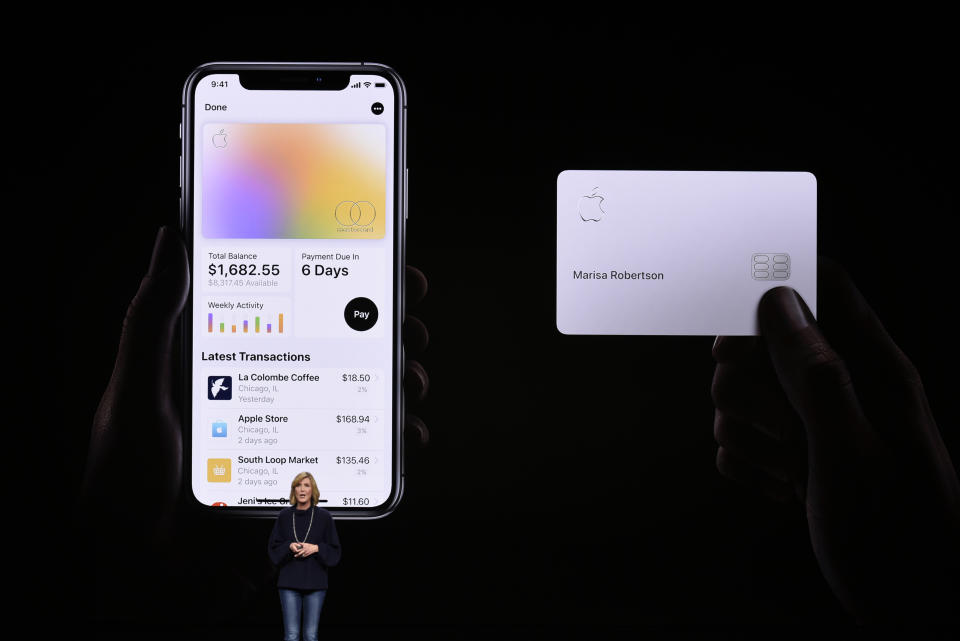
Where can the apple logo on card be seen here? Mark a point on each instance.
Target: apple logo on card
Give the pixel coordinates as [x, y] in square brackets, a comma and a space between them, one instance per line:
[220, 140]
[590, 207]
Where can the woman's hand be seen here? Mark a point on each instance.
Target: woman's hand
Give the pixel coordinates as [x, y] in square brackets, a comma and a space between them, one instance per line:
[415, 339]
[295, 547]
[307, 549]
[837, 415]
[137, 419]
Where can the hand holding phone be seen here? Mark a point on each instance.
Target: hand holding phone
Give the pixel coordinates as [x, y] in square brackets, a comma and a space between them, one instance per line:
[136, 419]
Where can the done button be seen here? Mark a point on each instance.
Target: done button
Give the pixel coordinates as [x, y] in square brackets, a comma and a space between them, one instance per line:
[360, 314]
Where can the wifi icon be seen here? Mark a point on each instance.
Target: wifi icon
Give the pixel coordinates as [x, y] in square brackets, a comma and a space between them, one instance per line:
[367, 84]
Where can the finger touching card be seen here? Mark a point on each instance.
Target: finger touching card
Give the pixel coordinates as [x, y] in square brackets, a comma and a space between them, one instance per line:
[681, 252]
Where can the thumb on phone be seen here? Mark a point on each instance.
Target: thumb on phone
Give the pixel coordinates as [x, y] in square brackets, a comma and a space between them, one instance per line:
[153, 313]
[135, 419]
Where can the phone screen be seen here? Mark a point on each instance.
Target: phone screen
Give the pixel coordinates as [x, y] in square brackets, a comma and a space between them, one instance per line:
[294, 304]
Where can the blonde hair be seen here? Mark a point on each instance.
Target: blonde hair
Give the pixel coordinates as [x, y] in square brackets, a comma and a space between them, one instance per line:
[314, 492]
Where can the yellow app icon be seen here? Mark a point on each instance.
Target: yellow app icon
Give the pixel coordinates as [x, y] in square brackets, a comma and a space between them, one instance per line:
[218, 470]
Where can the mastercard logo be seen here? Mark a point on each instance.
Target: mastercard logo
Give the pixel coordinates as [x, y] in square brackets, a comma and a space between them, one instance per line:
[355, 214]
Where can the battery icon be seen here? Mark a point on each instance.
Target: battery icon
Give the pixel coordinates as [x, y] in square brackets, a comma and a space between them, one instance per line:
[379, 84]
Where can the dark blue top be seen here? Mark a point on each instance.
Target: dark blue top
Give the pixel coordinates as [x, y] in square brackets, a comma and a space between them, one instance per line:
[304, 573]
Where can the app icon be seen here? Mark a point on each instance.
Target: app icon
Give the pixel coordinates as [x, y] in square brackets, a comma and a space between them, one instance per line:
[219, 504]
[218, 470]
[219, 428]
[219, 388]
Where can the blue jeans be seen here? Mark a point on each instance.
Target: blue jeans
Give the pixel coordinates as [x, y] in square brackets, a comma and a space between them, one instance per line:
[292, 602]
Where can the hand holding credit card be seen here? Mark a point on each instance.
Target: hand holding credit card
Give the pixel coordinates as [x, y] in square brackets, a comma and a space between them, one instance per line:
[680, 252]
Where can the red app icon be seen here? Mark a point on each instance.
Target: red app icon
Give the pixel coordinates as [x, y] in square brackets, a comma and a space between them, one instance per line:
[219, 504]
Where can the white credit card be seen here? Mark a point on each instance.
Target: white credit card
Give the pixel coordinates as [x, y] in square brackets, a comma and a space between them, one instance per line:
[681, 252]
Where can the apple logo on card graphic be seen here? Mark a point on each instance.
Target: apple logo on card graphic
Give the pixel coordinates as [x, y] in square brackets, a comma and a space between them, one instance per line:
[220, 140]
[590, 207]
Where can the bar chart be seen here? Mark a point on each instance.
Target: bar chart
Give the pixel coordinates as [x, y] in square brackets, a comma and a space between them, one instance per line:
[238, 317]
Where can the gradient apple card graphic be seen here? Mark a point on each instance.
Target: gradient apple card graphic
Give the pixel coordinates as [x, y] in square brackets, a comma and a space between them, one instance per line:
[590, 207]
[294, 180]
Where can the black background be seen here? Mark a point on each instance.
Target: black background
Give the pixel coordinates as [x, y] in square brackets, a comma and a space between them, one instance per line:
[569, 480]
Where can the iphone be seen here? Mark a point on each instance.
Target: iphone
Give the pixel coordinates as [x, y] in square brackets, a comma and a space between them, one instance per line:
[293, 207]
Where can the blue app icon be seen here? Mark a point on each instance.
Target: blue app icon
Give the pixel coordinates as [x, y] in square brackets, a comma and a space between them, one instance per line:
[219, 428]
